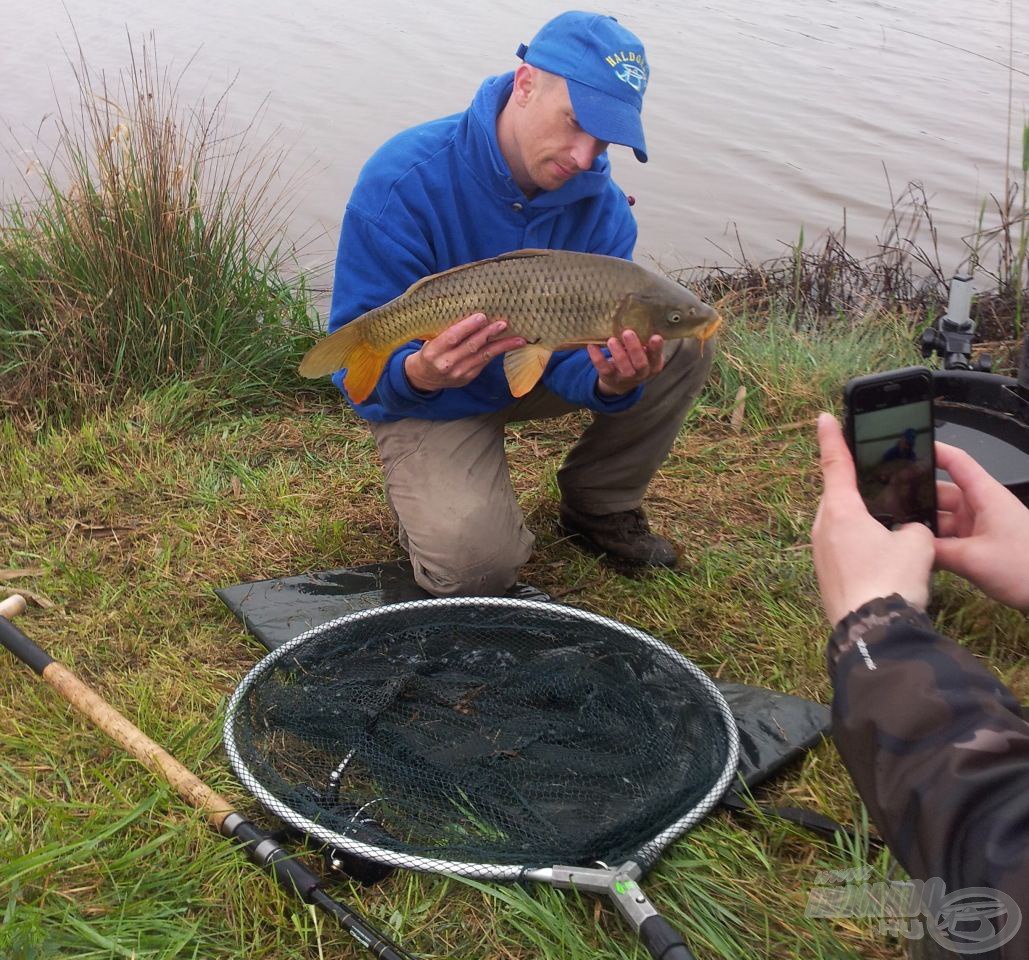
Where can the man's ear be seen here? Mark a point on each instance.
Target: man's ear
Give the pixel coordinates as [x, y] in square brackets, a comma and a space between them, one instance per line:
[525, 82]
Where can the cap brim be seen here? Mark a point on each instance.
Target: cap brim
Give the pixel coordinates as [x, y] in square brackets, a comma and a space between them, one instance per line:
[608, 118]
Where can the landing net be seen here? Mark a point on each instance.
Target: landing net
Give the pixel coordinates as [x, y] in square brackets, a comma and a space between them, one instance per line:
[483, 737]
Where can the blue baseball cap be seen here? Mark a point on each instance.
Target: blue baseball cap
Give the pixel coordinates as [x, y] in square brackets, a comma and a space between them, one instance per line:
[606, 70]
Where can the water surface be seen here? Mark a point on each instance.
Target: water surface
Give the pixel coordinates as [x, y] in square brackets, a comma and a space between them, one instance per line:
[763, 118]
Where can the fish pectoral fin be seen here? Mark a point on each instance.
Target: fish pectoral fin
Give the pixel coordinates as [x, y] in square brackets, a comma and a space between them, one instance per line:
[524, 367]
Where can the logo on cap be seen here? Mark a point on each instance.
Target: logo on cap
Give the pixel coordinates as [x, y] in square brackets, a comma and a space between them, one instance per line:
[630, 68]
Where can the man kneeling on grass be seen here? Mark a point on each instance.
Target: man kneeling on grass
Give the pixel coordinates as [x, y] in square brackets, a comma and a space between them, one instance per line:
[525, 166]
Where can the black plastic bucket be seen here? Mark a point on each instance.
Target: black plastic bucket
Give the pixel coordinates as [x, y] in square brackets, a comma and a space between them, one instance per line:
[988, 416]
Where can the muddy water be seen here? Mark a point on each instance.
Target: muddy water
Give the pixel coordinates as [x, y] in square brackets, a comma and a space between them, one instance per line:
[764, 117]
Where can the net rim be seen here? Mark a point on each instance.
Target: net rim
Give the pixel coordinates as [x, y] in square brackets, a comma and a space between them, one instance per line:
[647, 853]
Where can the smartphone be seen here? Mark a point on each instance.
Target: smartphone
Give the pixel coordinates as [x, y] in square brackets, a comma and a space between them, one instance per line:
[888, 421]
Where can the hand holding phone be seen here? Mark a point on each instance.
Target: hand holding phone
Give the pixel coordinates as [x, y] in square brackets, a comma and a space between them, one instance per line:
[856, 558]
[889, 429]
[984, 530]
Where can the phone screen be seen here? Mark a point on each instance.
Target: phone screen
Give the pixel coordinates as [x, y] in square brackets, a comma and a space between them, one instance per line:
[893, 452]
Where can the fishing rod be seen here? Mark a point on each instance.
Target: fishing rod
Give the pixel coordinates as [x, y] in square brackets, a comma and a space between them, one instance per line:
[260, 847]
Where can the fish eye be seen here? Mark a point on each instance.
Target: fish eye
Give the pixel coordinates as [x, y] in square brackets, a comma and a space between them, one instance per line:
[674, 316]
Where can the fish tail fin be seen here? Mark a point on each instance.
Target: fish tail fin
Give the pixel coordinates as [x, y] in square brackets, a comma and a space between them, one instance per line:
[347, 347]
[364, 367]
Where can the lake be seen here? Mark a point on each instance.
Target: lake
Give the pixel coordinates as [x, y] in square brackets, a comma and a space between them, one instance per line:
[763, 117]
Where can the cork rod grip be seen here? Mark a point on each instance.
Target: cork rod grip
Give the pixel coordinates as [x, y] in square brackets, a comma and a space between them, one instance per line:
[193, 790]
[12, 606]
[188, 786]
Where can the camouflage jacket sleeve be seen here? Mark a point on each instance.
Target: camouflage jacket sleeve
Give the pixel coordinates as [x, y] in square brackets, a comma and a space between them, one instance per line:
[938, 749]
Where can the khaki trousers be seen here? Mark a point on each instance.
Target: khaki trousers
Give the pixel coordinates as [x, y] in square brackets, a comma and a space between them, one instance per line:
[449, 485]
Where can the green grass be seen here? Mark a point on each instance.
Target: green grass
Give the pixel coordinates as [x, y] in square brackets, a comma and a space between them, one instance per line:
[148, 252]
[787, 371]
[158, 446]
[126, 522]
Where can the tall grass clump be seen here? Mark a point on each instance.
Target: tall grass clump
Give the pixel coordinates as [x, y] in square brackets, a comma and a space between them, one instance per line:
[149, 249]
[827, 289]
[788, 373]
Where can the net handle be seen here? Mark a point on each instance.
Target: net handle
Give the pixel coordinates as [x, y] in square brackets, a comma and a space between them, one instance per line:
[259, 846]
[661, 939]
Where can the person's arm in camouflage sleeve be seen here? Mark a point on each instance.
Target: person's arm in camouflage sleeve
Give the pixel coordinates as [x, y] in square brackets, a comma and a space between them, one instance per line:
[936, 746]
[935, 743]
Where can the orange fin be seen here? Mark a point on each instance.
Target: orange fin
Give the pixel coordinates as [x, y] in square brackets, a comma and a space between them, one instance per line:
[363, 371]
[331, 353]
[524, 367]
[346, 347]
[708, 332]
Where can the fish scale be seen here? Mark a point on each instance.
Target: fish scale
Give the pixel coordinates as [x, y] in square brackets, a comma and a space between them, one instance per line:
[568, 303]
[552, 298]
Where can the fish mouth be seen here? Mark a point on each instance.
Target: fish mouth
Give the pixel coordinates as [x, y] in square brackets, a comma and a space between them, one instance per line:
[710, 328]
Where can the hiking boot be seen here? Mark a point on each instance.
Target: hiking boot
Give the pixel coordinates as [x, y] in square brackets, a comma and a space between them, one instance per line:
[624, 536]
[526, 591]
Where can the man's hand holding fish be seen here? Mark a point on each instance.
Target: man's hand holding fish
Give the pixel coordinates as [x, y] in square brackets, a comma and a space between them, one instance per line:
[459, 354]
[628, 362]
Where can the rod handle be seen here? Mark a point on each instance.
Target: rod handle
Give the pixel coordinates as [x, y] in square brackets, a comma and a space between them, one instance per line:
[188, 786]
[12, 606]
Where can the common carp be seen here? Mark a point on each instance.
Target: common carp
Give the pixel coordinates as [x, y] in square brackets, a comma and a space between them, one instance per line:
[555, 299]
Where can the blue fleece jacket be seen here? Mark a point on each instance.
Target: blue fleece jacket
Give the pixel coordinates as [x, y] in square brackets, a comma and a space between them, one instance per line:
[440, 195]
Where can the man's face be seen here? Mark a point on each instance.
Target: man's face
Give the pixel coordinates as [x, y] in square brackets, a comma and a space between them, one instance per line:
[552, 147]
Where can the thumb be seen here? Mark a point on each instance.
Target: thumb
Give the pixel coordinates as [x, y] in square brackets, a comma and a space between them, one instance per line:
[915, 534]
[837, 464]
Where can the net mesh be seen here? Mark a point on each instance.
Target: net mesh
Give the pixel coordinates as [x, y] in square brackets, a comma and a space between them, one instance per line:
[506, 733]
